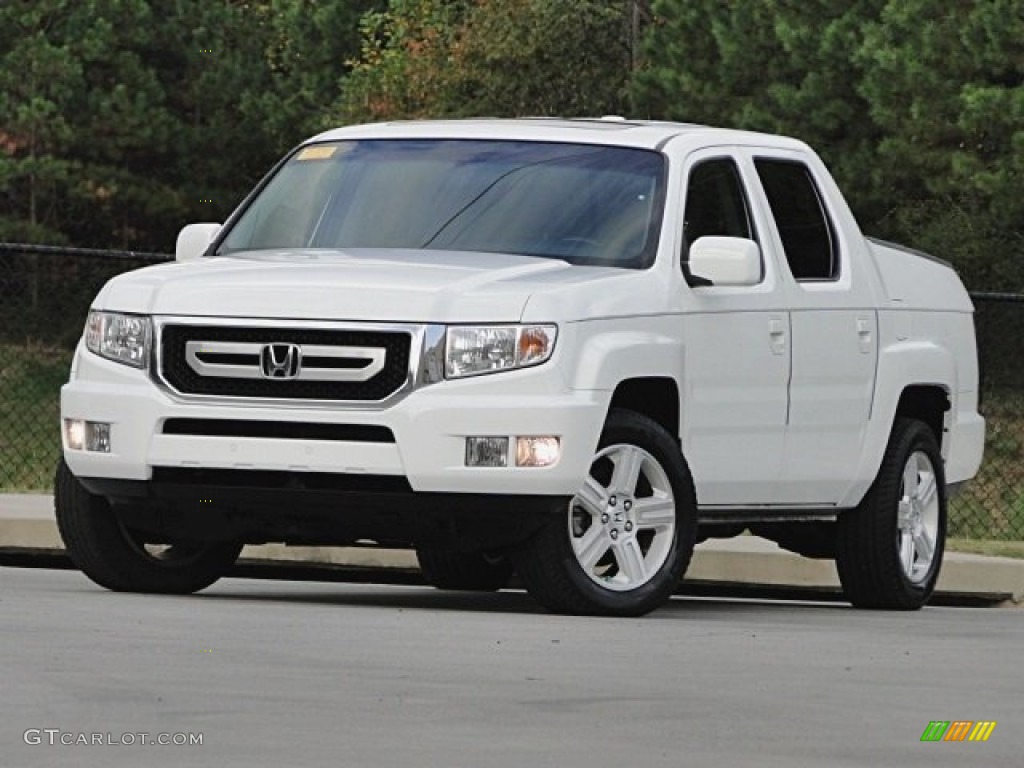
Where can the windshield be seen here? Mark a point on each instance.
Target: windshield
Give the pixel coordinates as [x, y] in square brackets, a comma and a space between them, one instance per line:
[589, 205]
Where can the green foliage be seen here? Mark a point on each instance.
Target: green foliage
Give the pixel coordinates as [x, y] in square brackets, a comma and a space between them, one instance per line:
[87, 157]
[308, 45]
[773, 66]
[69, 80]
[916, 105]
[543, 57]
[433, 58]
[405, 67]
[945, 84]
[124, 119]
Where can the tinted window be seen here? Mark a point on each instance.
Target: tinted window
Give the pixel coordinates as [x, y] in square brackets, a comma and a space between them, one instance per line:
[806, 231]
[585, 204]
[715, 203]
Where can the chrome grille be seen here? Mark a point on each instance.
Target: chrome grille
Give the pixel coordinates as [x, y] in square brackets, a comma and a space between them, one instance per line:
[284, 362]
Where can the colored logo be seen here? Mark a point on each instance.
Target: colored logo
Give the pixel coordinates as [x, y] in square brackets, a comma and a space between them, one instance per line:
[958, 730]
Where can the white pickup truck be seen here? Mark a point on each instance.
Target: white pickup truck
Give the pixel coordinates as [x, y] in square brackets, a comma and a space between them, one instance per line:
[563, 348]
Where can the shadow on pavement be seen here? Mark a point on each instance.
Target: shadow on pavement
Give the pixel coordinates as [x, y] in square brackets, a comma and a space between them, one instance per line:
[727, 595]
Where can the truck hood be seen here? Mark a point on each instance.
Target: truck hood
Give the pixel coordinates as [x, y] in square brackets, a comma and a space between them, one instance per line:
[372, 285]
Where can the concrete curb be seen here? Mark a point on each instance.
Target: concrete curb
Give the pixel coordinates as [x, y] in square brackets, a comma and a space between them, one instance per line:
[27, 523]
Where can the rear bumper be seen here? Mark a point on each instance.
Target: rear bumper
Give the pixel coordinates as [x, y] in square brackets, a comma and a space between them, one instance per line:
[966, 448]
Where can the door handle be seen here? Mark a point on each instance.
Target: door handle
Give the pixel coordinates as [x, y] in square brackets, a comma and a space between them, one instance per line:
[777, 335]
[864, 335]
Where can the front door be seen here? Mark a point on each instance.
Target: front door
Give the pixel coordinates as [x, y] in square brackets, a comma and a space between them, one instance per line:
[738, 350]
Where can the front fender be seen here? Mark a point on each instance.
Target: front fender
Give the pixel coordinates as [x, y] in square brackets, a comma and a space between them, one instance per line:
[609, 355]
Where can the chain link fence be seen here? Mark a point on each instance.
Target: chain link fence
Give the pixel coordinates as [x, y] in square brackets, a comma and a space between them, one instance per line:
[992, 505]
[45, 293]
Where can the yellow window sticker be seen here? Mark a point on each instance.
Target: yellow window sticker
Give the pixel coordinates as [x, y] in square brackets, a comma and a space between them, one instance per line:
[317, 152]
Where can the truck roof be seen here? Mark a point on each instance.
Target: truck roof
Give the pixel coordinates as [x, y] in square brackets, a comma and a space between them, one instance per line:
[608, 130]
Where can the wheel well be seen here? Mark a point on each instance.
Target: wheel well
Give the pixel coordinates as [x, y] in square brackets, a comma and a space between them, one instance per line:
[927, 403]
[656, 398]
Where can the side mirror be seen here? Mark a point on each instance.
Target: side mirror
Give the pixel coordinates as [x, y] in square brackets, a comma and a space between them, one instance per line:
[193, 240]
[725, 261]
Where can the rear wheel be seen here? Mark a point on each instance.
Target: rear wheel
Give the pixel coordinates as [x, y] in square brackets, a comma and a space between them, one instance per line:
[469, 571]
[889, 550]
[627, 535]
[123, 559]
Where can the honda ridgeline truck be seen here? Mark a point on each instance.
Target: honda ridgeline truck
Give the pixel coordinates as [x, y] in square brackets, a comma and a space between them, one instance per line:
[567, 349]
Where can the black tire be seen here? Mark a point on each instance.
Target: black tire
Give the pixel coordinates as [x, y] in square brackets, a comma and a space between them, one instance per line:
[468, 571]
[548, 564]
[116, 557]
[868, 541]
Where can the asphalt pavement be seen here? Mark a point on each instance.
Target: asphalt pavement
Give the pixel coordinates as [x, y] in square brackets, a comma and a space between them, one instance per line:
[278, 673]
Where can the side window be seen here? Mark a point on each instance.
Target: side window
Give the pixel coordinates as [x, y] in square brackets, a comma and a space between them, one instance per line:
[804, 226]
[715, 203]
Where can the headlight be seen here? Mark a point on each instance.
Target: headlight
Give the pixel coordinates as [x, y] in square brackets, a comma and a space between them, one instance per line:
[121, 338]
[473, 350]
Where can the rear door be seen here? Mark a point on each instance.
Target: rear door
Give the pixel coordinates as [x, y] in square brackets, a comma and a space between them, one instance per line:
[834, 327]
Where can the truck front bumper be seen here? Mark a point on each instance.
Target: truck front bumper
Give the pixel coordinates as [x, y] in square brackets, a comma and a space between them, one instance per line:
[429, 428]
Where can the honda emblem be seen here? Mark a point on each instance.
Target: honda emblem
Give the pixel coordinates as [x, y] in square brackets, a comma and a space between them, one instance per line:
[281, 361]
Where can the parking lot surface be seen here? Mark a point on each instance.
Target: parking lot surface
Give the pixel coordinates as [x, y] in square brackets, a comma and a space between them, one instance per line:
[299, 674]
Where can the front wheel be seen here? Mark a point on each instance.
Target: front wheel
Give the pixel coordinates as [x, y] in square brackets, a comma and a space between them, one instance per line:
[123, 559]
[889, 549]
[628, 534]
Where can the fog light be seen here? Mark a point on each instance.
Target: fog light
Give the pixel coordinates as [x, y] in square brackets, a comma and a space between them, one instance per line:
[537, 451]
[74, 434]
[486, 451]
[82, 435]
[97, 437]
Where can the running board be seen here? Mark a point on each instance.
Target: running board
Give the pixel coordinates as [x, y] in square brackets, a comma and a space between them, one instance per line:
[733, 515]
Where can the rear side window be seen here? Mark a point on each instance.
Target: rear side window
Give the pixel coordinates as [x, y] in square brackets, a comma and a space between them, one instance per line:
[806, 230]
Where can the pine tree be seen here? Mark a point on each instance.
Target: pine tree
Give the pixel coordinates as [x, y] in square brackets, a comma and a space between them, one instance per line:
[769, 65]
[946, 84]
